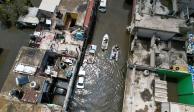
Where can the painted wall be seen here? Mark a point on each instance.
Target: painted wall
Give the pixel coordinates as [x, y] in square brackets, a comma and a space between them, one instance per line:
[187, 99]
[185, 86]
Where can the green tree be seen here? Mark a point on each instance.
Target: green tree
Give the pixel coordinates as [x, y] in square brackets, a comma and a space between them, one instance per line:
[12, 9]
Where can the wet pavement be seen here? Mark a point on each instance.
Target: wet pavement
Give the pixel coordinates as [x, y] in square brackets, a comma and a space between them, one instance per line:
[10, 41]
[104, 80]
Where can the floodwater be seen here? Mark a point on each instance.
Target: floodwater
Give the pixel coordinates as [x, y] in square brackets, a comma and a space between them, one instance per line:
[104, 80]
[10, 42]
[103, 90]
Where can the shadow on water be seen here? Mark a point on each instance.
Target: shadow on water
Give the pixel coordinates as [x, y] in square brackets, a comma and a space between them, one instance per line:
[127, 4]
[1, 51]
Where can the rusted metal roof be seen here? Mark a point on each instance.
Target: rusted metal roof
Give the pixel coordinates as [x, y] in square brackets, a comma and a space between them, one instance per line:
[30, 96]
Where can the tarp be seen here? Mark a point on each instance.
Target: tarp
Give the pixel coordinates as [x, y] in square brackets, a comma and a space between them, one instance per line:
[21, 80]
[20, 68]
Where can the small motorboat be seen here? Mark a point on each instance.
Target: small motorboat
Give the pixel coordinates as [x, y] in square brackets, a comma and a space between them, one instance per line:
[114, 53]
[105, 41]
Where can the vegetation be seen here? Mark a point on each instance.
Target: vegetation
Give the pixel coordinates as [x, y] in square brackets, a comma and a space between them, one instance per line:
[10, 10]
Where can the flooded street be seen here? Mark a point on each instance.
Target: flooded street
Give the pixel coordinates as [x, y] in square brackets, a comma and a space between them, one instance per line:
[104, 80]
[10, 42]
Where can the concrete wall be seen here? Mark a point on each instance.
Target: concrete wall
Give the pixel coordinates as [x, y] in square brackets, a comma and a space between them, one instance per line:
[148, 33]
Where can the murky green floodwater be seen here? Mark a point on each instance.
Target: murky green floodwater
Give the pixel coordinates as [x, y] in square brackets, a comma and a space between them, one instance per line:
[10, 42]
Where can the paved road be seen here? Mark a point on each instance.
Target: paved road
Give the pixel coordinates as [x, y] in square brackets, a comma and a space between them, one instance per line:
[104, 81]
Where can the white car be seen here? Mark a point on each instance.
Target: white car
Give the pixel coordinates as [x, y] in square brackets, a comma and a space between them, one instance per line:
[92, 49]
[80, 82]
[105, 41]
[82, 72]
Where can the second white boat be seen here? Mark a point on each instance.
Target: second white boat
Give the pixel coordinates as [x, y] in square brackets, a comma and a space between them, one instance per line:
[105, 42]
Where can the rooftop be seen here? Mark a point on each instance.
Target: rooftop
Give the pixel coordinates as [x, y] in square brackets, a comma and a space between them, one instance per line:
[75, 6]
[60, 43]
[33, 86]
[30, 56]
[8, 104]
[49, 5]
[157, 17]
[159, 23]
[147, 92]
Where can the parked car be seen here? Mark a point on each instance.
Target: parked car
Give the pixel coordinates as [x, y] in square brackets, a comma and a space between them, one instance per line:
[80, 82]
[92, 49]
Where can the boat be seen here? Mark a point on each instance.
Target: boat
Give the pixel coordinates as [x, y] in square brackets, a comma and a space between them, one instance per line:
[105, 41]
[114, 53]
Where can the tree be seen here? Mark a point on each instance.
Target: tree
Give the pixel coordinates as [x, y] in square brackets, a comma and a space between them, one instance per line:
[12, 9]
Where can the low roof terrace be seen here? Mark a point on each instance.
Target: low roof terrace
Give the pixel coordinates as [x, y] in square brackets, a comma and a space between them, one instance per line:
[75, 6]
[156, 15]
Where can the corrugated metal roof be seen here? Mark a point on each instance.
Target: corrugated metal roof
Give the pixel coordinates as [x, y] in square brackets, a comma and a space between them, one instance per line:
[49, 5]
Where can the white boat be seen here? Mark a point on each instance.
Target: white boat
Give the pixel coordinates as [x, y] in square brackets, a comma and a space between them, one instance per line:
[114, 53]
[105, 41]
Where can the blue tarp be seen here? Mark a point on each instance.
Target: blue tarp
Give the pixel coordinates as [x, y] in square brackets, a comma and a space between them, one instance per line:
[21, 80]
[79, 36]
